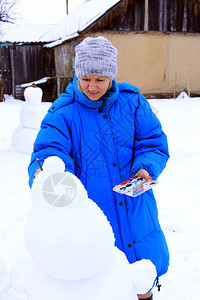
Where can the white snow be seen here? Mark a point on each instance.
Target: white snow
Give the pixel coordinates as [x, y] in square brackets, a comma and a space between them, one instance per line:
[20, 32]
[79, 19]
[40, 81]
[37, 11]
[177, 197]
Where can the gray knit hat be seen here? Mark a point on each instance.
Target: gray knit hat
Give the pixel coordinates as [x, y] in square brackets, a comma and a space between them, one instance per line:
[96, 56]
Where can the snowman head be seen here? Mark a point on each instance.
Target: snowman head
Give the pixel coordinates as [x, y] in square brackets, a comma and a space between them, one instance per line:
[33, 95]
[67, 234]
[54, 188]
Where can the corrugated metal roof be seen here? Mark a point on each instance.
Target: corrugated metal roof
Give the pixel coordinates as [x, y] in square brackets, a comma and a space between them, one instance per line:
[78, 20]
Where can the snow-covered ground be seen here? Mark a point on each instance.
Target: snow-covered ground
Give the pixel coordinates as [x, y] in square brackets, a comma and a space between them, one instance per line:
[177, 197]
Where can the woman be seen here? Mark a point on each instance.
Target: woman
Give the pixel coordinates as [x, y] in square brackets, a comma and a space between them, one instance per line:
[105, 133]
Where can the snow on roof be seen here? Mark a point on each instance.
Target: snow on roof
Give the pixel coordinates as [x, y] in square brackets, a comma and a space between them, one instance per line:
[40, 81]
[78, 20]
[23, 32]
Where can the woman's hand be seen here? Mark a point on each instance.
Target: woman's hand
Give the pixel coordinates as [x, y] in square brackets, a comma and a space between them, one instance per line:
[37, 172]
[144, 174]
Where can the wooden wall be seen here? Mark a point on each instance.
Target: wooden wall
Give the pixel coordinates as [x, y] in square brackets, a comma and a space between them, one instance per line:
[25, 63]
[64, 64]
[174, 16]
[5, 70]
[151, 15]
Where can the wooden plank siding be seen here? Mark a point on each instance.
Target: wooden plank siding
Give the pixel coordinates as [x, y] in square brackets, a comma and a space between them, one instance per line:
[25, 63]
[31, 62]
[163, 16]
[5, 70]
[127, 15]
[174, 16]
[64, 64]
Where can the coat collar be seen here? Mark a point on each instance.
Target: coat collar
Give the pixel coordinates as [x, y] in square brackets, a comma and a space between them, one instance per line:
[107, 99]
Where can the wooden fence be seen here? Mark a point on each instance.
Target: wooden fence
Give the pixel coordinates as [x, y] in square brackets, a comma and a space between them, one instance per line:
[24, 63]
[5, 70]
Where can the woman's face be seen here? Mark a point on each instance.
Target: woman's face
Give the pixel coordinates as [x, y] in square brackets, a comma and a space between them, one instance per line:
[94, 86]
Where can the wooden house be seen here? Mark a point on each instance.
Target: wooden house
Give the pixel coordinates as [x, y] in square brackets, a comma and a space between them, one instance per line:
[158, 42]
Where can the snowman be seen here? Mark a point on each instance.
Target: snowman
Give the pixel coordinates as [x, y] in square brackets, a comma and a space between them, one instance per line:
[31, 115]
[71, 245]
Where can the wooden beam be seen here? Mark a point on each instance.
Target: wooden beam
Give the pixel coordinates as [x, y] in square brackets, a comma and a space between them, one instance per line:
[146, 16]
[58, 86]
[12, 70]
[196, 2]
[67, 11]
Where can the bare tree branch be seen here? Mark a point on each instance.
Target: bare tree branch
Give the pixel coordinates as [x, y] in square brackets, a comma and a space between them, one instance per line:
[7, 13]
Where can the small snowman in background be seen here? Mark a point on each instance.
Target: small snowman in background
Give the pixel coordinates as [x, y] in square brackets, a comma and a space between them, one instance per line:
[72, 246]
[31, 115]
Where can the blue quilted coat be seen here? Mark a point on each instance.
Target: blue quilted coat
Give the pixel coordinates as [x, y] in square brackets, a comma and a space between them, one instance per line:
[104, 143]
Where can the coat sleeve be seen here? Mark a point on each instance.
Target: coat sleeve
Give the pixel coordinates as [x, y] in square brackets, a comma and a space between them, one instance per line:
[150, 147]
[53, 139]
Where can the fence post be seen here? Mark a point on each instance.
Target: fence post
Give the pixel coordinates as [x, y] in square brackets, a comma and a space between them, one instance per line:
[12, 70]
[146, 16]
[1, 89]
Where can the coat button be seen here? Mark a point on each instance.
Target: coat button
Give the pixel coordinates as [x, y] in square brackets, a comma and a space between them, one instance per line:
[105, 116]
[120, 203]
[133, 242]
[114, 165]
[129, 245]
[53, 107]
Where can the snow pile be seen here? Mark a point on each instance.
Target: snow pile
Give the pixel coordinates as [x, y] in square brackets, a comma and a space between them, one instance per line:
[182, 95]
[72, 245]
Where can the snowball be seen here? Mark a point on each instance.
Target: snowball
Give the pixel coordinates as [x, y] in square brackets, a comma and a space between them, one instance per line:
[55, 187]
[23, 139]
[70, 244]
[53, 164]
[33, 95]
[31, 115]
[112, 283]
[143, 274]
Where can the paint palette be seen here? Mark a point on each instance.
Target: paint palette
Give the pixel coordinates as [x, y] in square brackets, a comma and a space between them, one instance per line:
[135, 186]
